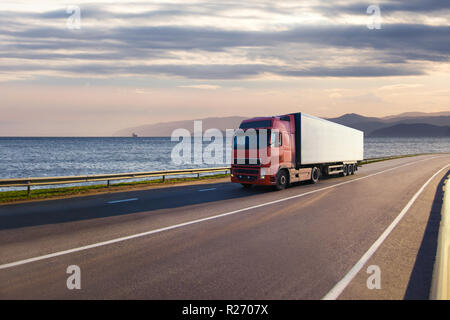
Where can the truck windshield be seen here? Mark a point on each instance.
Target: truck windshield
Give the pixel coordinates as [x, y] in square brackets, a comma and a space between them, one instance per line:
[256, 124]
[250, 139]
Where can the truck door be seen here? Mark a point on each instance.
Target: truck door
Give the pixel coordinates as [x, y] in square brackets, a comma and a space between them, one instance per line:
[286, 147]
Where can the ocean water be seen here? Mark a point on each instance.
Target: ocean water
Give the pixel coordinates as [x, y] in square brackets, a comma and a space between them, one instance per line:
[38, 157]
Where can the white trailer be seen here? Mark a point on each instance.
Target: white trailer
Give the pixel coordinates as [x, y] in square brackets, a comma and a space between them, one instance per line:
[323, 141]
[330, 147]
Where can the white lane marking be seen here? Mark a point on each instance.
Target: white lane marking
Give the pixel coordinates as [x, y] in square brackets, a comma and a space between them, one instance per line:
[336, 291]
[104, 243]
[124, 200]
[210, 189]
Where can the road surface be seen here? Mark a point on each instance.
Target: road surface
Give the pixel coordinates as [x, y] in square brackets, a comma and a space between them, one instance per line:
[220, 241]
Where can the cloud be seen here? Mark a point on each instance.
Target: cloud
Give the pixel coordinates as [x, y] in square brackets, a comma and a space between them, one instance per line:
[401, 86]
[201, 86]
[131, 43]
[389, 7]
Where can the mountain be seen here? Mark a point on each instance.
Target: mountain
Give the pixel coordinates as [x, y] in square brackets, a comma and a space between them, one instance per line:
[351, 118]
[412, 130]
[165, 129]
[416, 114]
[370, 125]
[356, 121]
[437, 121]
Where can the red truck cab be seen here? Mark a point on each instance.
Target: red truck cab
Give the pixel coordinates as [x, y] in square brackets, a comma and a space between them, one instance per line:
[279, 153]
[292, 148]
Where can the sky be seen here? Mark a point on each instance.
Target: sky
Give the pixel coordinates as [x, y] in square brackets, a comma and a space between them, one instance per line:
[91, 68]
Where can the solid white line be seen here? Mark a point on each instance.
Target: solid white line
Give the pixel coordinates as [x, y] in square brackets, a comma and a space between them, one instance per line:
[341, 285]
[210, 189]
[124, 200]
[104, 243]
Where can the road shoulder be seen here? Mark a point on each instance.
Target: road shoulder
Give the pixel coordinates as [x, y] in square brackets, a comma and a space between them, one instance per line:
[406, 258]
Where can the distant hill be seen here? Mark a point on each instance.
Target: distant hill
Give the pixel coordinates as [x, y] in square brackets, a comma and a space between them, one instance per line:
[417, 114]
[370, 125]
[356, 121]
[165, 129]
[437, 121]
[412, 130]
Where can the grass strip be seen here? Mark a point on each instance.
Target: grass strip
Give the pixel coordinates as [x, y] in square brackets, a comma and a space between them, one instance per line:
[47, 193]
[373, 160]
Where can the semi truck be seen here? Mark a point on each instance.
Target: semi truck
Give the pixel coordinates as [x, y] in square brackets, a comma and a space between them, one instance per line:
[299, 147]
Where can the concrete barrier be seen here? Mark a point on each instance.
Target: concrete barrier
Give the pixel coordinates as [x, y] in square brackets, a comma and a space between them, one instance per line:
[440, 287]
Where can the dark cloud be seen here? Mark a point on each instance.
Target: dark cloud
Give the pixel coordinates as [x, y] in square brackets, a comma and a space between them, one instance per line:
[393, 50]
[417, 5]
[217, 71]
[431, 39]
[393, 6]
[354, 71]
[394, 36]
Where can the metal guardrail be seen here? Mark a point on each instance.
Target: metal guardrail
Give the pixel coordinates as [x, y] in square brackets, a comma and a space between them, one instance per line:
[29, 182]
[440, 286]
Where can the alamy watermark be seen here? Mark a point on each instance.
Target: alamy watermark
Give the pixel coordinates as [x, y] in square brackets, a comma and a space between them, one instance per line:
[251, 146]
[374, 280]
[74, 20]
[74, 280]
[375, 17]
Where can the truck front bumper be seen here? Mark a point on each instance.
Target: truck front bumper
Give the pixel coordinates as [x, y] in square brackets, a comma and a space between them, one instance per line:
[250, 175]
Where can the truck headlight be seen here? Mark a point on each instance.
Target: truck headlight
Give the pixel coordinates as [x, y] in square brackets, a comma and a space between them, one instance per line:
[263, 172]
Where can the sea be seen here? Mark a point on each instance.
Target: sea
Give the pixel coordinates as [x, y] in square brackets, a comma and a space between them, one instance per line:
[41, 157]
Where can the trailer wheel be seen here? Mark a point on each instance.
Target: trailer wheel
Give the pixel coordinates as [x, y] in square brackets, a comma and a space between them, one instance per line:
[247, 185]
[282, 180]
[355, 168]
[350, 169]
[344, 170]
[315, 175]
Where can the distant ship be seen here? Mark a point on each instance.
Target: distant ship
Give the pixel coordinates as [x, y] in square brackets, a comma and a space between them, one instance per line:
[134, 135]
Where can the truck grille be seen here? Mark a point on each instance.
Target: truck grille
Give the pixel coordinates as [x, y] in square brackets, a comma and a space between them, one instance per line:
[246, 174]
[246, 178]
[246, 171]
[247, 161]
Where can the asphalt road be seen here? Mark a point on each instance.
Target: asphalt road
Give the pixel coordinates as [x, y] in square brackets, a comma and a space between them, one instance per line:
[210, 241]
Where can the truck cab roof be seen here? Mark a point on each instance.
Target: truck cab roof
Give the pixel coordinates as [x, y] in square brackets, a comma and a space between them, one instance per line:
[264, 122]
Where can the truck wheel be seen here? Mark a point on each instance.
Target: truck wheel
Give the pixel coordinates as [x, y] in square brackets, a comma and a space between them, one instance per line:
[247, 185]
[344, 170]
[315, 175]
[282, 180]
[355, 168]
[350, 170]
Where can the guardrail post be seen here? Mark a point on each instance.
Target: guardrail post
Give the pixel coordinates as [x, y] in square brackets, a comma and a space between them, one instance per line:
[28, 189]
[163, 178]
[107, 184]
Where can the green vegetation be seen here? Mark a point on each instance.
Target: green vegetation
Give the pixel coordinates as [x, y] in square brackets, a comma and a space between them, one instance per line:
[367, 161]
[47, 193]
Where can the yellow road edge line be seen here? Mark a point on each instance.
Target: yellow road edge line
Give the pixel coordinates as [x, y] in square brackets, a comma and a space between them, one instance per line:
[440, 286]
